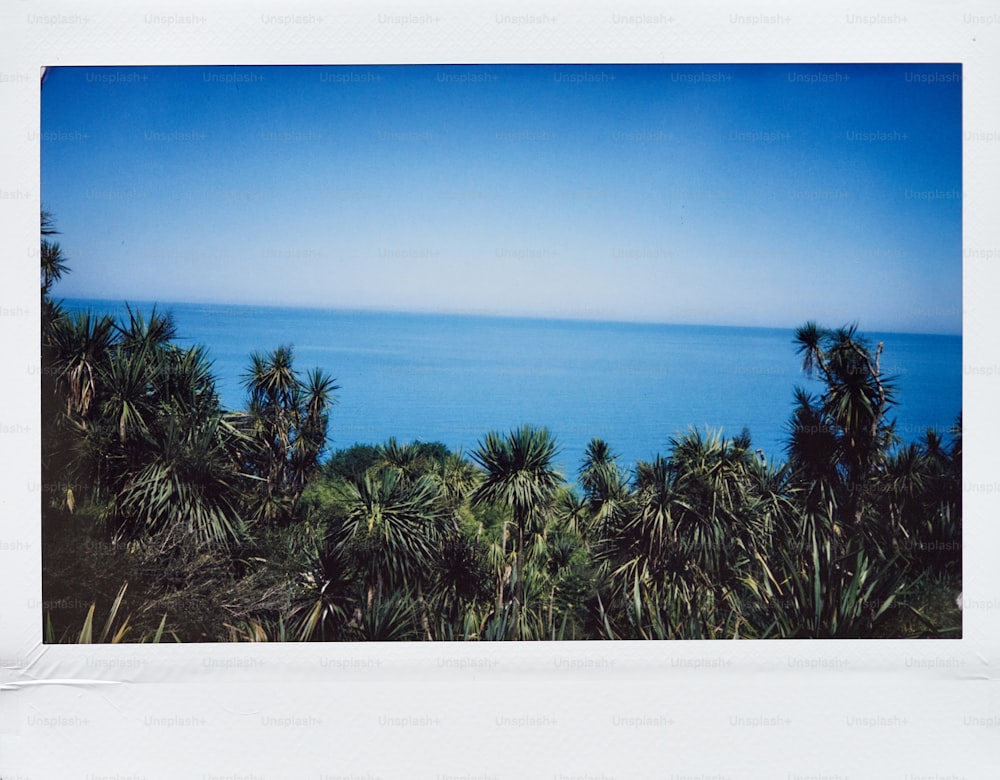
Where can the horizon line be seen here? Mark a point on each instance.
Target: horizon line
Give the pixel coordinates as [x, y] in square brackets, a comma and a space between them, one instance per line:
[610, 320]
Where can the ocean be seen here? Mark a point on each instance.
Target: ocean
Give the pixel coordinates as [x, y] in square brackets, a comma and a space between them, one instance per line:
[452, 378]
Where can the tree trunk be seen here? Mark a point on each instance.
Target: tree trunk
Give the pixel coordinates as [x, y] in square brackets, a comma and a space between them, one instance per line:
[424, 621]
[502, 575]
[519, 583]
[552, 600]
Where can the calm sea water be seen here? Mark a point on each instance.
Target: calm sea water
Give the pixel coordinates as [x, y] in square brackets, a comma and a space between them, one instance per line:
[453, 378]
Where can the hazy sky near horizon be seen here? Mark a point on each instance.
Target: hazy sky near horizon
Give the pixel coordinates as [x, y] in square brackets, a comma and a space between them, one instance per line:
[712, 194]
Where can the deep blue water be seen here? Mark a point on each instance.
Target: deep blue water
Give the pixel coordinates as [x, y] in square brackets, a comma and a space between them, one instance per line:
[453, 378]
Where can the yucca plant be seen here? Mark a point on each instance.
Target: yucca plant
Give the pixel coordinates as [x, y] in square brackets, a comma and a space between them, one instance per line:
[259, 631]
[391, 618]
[497, 626]
[109, 634]
[847, 434]
[823, 594]
[188, 488]
[675, 608]
[465, 629]
[391, 529]
[605, 486]
[80, 344]
[287, 417]
[461, 578]
[520, 477]
[323, 600]
[53, 263]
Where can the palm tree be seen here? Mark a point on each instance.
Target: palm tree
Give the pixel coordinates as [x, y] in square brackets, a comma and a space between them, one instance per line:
[563, 561]
[324, 601]
[54, 446]
[184, 382]
[130, 404]
[690, 527]
[640, 543]
[920, 495]
[273, 389]
[458, 478]
[846, 430]
[461, 580]
[288, 418]
[718, 522]
[80, 346]
[140, 334]
[812, 448]
[187, 488]
[520, 477]
[605, 486]
[53, 263]
[392, 530]
[907, 474]
[53, 267]
[596, 459]
[773, 497]
[311, 423]
[572, 511]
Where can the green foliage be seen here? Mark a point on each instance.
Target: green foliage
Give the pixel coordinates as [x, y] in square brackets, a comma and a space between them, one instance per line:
[387, 619]
[187, 489]
[227, 522]
[518, 476]
[286, 420]
[519, 472]
[839, 441]
[825, 594]
[113, 632]
[53, 262]
[351, 463]
[391, 527]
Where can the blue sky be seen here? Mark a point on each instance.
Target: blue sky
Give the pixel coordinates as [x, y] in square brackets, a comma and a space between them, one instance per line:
[710, 194]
